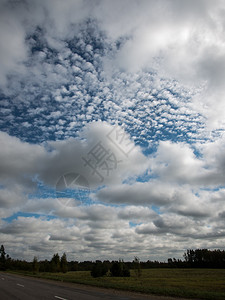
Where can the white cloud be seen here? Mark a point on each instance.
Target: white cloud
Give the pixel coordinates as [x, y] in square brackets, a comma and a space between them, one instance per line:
[13, 51]
[19, 160]
[147, 193]
[176, 162]
[13, 198]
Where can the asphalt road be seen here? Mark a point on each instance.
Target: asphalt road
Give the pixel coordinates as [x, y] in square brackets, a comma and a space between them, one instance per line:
[16, 287]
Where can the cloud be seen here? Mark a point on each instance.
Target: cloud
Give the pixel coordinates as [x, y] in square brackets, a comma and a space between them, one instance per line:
[70, 73]
[103, 232]
[139, 193]
[22, 162]
[175, 225]
[165, 197]
[10, 198]
[19, 161]
[80, 157]
[177, 162]
[186, 39]
[13, 50]
[60, 82]
[170, 202]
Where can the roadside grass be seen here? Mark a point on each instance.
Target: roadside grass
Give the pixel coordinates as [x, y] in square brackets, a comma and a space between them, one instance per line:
[188, 283]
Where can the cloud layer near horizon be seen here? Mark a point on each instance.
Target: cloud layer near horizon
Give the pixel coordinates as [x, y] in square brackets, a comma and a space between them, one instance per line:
[173, 202]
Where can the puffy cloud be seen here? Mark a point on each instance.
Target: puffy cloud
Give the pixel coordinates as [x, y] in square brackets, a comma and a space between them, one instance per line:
[100, 158]
[138, 193]
[177, 162]
[10, 198]
[22, 162]
[13, 50]
[19, 161]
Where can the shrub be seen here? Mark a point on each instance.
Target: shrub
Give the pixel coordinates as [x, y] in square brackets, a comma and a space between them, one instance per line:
[99, 269]
[119, 269]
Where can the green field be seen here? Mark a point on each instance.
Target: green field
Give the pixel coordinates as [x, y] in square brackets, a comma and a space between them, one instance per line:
[189, 283]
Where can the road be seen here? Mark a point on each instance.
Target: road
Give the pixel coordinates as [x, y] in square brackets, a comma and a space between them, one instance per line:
[16, 287]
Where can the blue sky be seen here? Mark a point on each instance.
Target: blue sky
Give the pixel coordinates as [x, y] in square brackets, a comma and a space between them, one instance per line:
[111, 128]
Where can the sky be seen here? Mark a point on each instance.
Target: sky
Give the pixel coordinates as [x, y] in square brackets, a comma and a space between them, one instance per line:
[112, 128]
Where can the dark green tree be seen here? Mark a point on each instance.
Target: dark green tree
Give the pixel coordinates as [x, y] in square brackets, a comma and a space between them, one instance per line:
[99, 269]
[64, 263]
[119, 269]
[8, 262]
[35, 265]
[45, 266]
[2, 258]
[55, 263]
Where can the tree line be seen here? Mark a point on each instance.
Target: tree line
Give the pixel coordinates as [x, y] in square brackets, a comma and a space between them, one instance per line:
[199, 258]
[56, 264]
[204, 258]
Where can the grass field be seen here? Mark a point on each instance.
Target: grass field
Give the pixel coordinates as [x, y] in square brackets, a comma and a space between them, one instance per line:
[189, 283]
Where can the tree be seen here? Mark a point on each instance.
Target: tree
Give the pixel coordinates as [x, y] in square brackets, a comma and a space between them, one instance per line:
[2, 253]
[64, 263]
[205, 258]
[55, 263]
[99, 269]
[45, 266]
[35, 265]
[2, 258]
[8, 262]
[119, 269]
[137, 266]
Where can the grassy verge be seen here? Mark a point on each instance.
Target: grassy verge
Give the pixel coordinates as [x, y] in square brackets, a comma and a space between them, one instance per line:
[188, 283]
